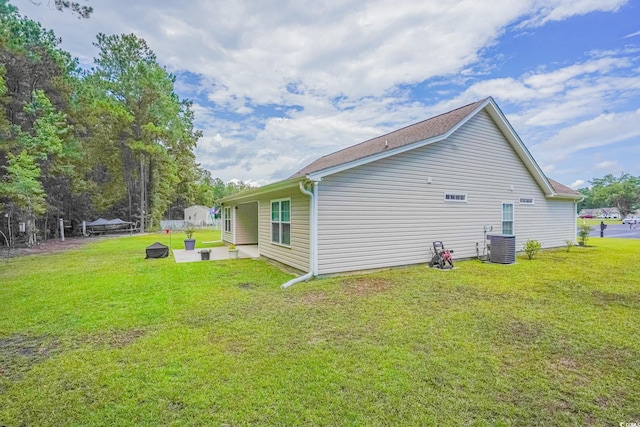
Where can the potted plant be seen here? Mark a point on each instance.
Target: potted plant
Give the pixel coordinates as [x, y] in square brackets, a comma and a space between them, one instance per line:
[233, 251]
[205, 254]
[189, 243]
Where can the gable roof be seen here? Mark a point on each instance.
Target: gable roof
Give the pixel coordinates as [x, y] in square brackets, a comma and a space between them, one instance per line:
[411, 137]
[426, 129]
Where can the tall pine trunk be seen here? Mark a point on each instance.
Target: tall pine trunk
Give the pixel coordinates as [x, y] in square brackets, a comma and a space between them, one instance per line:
[143, 200]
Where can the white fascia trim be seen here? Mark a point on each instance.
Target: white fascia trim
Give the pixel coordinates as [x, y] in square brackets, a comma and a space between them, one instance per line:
[251, 194]
[564, 196]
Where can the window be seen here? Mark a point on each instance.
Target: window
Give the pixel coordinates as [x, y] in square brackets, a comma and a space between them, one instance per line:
[281, 222]
[455, 197]
[526, 200]
[507, 218]
[227, 220]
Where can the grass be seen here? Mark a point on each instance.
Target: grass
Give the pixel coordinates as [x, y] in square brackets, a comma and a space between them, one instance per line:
[596, 221]
[101, 336]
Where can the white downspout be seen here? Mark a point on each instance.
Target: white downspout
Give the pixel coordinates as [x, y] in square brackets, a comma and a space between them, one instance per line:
[575, 227]
[312, 238]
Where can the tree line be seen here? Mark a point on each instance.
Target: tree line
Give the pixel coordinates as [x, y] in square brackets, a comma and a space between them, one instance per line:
[622, 192]
[114, 140]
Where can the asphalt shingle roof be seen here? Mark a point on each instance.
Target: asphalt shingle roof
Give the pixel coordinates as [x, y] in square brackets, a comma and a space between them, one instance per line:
[561, 189]
[430, 128]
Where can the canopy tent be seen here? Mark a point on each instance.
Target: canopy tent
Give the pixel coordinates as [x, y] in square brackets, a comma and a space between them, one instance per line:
[99, 221]
[117, 221]
[102, 225]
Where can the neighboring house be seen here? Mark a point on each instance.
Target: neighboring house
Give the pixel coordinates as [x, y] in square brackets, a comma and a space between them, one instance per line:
[589, 213]
[382, 203]
[612, 213]
[198, 215]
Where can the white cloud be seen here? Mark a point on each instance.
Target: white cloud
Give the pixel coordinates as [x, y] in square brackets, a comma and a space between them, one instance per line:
[558, 10]
[603, 130]
[577, 184]
[607, 164]
[344, 62]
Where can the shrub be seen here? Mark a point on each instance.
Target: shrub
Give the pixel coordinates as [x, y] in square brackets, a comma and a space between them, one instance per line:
[583, 234]
[531, 248]
[569, 244]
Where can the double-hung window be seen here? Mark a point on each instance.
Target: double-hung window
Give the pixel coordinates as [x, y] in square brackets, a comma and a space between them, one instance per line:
[281, 222]
[227, 220]
[507, 218]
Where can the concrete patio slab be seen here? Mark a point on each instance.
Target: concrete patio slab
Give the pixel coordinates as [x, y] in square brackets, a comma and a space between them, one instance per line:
[217, 253]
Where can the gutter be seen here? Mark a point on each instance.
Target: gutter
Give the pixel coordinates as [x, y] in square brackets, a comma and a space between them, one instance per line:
[313, 236]
[250, 194]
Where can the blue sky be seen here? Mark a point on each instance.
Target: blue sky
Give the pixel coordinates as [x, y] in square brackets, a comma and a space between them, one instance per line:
[276, 84]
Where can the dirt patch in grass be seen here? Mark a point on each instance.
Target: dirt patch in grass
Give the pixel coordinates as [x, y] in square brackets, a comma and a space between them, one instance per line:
[247, 286]
[569, 364]
[50, 246]
[523, 332]
[608, 298]
[19, 352]
[176, 406]
[569, 369]
[235, 348]
[364, 286]
[313, 298]
[115, 339]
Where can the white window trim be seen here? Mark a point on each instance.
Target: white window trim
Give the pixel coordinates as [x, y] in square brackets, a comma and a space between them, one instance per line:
[526, 200]
[227, 217]
[513, 218]
[271, 222]
[456, 194]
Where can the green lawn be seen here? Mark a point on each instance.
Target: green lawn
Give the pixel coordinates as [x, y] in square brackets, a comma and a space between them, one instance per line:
[101, 336]
[596, 222]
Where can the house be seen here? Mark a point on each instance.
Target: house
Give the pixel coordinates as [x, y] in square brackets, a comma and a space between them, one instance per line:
[382, 203]
[589, 213]
[609, 213]
[198, 215]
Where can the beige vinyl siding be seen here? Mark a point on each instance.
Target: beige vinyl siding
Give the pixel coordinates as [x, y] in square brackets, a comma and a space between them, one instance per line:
[297, 255]
[247, 224]
[385, 213]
